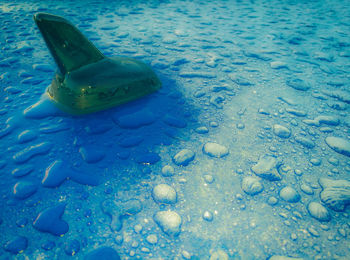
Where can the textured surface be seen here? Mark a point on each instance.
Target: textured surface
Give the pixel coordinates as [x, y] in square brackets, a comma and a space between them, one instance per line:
[258, 78]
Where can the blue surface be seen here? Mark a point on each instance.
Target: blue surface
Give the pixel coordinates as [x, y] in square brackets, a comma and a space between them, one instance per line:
[259, 79]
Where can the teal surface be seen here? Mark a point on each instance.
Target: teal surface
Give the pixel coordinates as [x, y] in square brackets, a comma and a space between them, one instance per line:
[243, 153]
